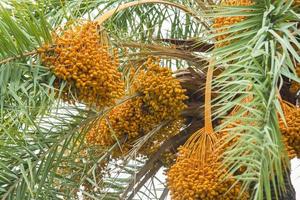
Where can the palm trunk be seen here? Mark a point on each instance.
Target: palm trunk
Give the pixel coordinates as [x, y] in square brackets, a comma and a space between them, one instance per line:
[290, 193]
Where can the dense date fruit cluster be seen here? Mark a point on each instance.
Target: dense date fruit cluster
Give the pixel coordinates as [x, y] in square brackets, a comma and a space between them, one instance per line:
[161, 93]
[159, 98]
[188, 180]
[79, 58]
[291, 131]
[221, 22]
[122, 120]
[290, 150]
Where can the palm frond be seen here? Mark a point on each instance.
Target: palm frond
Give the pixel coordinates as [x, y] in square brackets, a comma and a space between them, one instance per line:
[256, 57]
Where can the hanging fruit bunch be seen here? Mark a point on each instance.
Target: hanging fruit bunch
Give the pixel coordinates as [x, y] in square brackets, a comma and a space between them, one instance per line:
[158, 98]
[122, 121]
[161, 93]
[198, 171]
[221, 22]
[78, 57]
[187, 179]
[195, 176]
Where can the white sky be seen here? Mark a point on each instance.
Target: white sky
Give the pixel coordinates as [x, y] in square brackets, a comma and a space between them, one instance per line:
[296, 176]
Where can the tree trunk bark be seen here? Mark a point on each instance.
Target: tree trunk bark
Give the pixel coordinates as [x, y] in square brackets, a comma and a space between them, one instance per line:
[290, 193]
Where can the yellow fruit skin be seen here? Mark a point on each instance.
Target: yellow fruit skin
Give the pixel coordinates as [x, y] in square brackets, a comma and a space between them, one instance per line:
[189, 180]
[160, 98]
[78, 57]
[221, 22]
[291, 132]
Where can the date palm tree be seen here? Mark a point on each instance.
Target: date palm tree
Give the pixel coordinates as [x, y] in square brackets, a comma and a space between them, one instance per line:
[228, 56]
